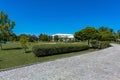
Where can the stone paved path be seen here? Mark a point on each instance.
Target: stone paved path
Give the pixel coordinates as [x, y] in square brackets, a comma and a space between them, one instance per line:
[98, 65]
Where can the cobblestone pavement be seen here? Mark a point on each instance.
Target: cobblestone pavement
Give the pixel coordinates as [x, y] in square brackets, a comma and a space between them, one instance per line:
[98, 65]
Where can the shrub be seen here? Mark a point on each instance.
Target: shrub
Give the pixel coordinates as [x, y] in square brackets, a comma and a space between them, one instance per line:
[99, 44]
[23, 40]
[95, 44]
[53, 49]
[104, 44]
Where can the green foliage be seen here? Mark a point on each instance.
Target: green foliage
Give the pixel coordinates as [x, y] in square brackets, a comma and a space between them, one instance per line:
[93, 35]
[104, 44]
[100, 44]
[105, 29]
[23, 41]
[52, 49]
[118, 34]
[44, 37]
[118, 41]
[79, 36]
[89, 33]
[12, 37]
[95, 44]
[31, 38]
[6, 26]
[107, 36]
[56, 38]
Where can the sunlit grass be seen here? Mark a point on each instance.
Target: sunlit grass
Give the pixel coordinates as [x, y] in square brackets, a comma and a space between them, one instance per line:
[12, 55]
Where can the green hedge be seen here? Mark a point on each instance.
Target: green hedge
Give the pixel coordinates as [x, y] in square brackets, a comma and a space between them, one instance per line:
[53, 49]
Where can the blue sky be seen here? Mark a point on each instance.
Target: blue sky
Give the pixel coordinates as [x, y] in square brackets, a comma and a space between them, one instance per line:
[61, 16]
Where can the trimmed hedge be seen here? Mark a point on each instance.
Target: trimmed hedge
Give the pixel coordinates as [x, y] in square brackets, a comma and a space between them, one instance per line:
[53, 49]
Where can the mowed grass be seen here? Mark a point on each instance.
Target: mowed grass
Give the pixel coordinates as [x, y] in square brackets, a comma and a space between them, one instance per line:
[13, 55]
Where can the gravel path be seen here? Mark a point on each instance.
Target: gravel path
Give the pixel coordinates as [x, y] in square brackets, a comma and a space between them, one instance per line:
[98, 65]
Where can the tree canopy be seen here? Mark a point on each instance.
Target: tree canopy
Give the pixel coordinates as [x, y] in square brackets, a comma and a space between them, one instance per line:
[89, 33]
[6, 26]
[44, 37]
[105, 29]
[101, 34]
[107, 34]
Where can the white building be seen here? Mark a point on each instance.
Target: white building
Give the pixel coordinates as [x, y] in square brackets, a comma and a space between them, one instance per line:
[64, 36]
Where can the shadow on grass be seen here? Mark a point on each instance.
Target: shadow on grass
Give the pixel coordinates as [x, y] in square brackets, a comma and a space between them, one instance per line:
[17, 48]
[64, 53]
[29, 51]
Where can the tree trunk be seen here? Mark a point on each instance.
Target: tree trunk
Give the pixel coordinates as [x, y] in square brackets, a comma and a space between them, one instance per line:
[88, 42]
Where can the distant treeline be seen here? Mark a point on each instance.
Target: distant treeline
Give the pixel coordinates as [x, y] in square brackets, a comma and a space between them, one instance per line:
[88, 33]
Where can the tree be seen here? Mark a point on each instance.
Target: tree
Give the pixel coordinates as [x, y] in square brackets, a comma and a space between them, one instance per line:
[23, 40]
[105, 29]
[33, 38]
[79, 36]
[56, 38]
[107, 34]
[44, 37]
[89, 33]
[6, 27]
[12, 37]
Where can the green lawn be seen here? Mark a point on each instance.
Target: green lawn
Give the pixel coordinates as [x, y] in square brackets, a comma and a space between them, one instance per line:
[12, 55]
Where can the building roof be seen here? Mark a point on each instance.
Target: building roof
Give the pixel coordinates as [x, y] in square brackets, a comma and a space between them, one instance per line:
[64, 35]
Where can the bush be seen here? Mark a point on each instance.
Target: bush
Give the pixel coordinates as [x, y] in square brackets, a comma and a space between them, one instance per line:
[99, 45]
[95, 44]
[53, 49]
[104, 44]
